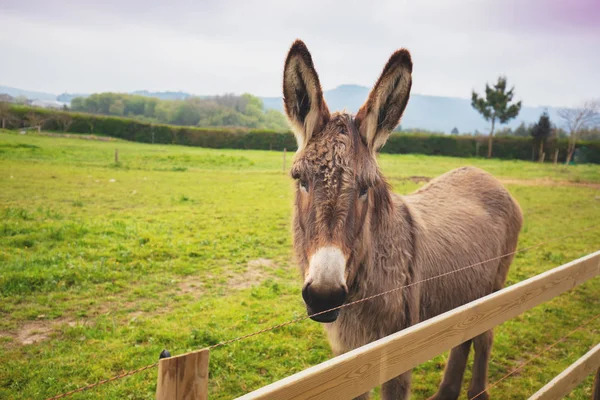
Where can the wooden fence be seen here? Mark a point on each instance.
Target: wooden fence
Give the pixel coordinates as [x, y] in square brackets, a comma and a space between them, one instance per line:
[360, 370]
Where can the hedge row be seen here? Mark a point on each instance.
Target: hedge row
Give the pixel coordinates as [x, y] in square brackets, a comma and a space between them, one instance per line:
[398, 143]
[504, 147]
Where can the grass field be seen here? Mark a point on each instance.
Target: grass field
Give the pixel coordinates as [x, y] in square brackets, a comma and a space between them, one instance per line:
[103, 265]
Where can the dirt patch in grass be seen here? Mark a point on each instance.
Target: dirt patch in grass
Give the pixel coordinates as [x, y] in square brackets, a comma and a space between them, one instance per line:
[34, 332]
[524, 182]
[192, 286]
[549, 182]
[111, 306]
[256, 271]
[416, 179]
[37, 331]
[85, 137]
[260, 262]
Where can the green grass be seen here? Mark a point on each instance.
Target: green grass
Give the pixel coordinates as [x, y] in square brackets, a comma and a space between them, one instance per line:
[114, 262]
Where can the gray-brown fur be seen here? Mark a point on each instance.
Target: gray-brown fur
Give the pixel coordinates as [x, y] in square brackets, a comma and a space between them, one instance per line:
[461, 218]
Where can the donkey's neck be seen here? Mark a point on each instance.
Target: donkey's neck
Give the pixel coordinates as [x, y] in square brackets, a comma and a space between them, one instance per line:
[387, 246]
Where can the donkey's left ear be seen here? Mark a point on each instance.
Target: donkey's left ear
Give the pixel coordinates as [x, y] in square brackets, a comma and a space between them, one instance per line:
[386, 103]
[302, 94]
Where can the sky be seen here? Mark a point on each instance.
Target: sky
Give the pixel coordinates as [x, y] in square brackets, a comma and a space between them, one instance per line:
[548, 49]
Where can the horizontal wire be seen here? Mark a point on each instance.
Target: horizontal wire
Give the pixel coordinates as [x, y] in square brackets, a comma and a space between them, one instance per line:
[538, 355]
[299, 319]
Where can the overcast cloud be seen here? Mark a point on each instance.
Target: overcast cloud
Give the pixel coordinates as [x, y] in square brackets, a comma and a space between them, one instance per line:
[549, 49]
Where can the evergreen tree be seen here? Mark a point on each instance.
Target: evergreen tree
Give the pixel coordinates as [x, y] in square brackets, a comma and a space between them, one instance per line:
[541, 131]
[522, 130]
[496, 106]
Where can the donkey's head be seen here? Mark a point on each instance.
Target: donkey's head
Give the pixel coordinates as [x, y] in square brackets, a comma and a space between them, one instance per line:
[339, 186]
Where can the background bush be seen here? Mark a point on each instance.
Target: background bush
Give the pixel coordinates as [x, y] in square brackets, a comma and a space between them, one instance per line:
[505, 147]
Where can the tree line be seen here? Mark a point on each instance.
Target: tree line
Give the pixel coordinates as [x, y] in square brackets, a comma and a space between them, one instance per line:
[217, 111]
[497, 106]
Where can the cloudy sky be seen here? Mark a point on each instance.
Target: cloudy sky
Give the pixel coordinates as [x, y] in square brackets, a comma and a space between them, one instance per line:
[549, 49]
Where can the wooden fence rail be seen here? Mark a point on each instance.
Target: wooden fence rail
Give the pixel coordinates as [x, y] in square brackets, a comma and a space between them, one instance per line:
[360, 370]
[560, 386]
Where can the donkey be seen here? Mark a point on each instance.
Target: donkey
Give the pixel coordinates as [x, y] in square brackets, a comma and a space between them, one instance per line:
[354, 238]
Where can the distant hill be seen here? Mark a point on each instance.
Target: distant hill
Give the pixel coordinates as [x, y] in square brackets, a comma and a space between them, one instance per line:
[14, 92]
[164, 95]
[433, 113]
[67, 97]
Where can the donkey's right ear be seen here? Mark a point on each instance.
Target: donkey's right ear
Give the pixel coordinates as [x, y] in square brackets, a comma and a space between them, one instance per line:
[302, 95]
[387, 101]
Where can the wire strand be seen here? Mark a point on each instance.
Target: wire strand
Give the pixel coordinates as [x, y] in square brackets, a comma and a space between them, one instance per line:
[299, 319]
[536, 356]
[102, 382]
[394, 290]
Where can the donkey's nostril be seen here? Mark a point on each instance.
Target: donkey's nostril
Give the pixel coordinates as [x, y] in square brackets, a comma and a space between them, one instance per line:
[319, 299]
[306, 293]
[322, 297]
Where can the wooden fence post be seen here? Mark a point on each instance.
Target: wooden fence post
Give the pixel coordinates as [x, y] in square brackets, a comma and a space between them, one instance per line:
[284, 152]
[183, 377]
[116, 156]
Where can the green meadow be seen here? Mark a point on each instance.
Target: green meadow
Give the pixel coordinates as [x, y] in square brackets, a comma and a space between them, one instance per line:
[103, 265]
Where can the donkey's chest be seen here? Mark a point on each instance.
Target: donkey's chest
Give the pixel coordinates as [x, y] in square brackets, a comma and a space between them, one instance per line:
[361, 324]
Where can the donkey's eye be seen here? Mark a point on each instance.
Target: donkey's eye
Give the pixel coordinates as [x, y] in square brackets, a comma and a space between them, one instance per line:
[304, 185]
[363, 192]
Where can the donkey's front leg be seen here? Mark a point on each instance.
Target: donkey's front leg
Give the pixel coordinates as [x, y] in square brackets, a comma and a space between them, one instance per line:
[397, 388]
[364, 396]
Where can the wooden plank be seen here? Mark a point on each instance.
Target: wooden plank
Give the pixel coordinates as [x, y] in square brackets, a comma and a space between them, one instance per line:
[183, 377]
[567, 380]
[360, 370]
[167, 379]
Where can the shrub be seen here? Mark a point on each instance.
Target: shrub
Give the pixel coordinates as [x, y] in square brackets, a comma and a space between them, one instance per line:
[506, 147]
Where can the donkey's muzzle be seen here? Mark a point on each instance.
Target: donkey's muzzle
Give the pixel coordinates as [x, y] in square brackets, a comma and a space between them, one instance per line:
[319, 300]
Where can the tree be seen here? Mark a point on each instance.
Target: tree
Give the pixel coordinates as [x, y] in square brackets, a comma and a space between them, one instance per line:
[504, 132]
[4, 113]
[117, 108]
[78, 104]
[496, 106]
[577, 120]
[541, 131]
[64, 120]
[243, 111]
[590, 134]
[21, 100]
[454, 131]
[35, 120]
[522, 130]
